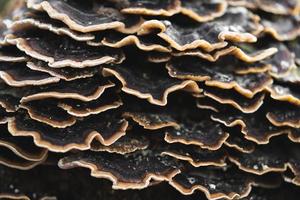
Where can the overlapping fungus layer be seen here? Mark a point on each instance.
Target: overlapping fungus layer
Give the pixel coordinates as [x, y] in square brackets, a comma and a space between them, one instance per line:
[196, 96]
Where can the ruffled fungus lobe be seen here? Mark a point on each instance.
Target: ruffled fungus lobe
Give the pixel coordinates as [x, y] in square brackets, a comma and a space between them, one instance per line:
[194, 96]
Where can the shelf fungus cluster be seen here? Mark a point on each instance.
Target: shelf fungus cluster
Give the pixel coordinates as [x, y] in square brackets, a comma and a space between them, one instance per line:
[123, 99]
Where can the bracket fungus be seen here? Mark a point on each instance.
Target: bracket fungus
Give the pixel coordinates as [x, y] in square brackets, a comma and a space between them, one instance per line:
[123, 99]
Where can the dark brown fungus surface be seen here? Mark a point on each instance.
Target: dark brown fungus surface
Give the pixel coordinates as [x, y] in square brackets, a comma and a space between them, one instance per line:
[195, 132]
[10, 159]
[9, 103]
[9, 54]
[284, 93]
[50, 114]
[240, 51]
[151, 121]
[294, 135]
[237, 141]
[184, 125]
[191, 36]
[145, 43]
[22, 146]
[40, 20]
[132, 171]
[285, 115]
[291, 7]
[219, 74]
[196, 156]
[254, 126]
[269, 159]
[104, 128]
[61, 51]
[236, 100]
[203, 11]
[282, 62]
[77, 108]
[216, 183]
[129, 144]
[83, 89]
[291, 77]
[66, 73]
[282, 28]
[17, 75]
[153, 85]
[294, 46]
[278, 7]
[253, 52]
[88, 18]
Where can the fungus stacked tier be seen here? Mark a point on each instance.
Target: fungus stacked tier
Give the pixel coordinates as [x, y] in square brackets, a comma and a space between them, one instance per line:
[196, 96]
